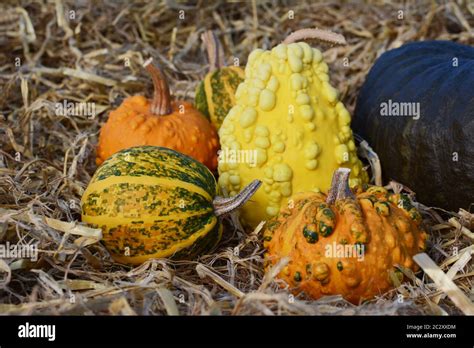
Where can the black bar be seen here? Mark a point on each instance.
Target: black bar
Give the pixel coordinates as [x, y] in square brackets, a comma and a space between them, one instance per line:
[136, 331]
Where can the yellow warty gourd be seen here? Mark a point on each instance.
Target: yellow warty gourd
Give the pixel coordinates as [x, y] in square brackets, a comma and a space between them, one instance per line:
[288, 129]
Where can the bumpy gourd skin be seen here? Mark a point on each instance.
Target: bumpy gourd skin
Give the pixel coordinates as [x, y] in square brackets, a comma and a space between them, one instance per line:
[132, 124]
[288, 113]
[385, 224]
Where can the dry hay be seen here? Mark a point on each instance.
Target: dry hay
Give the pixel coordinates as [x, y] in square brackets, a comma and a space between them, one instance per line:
[46, 160]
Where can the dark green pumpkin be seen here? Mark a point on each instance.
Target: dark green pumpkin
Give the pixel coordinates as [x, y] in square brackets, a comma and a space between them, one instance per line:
[432, 155]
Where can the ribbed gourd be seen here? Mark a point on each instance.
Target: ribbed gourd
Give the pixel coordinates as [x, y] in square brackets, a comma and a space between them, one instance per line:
[159, 122]
[344, 243]
[154, 202]
[288, 120]
[416, 108]
[215, 96]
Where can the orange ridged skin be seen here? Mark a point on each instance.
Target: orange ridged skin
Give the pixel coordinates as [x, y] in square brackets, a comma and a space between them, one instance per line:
[132, 124]
[386, 225]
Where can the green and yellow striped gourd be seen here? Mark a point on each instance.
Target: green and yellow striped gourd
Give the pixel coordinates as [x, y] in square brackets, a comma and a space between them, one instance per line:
[215, 96]
[154, 202]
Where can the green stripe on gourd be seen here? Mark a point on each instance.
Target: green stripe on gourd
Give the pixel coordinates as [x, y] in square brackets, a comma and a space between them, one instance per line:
[159, 164]
[154, 200]
[215, 96]
[200, 100]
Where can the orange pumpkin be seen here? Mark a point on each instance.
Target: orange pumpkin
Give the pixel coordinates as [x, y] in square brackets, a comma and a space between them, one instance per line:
[344, 243]
[176, 125]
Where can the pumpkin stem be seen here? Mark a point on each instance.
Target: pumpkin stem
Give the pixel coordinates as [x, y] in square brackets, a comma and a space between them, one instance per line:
[223, 206]
[215, 52]
[309, 33]
[340, 186]
[161, 103]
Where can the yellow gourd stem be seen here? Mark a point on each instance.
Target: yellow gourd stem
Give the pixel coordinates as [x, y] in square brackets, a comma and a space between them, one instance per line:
[309, 33]
[215, 52]
[161, 103]
[223, 206]
[340, 186]
[367, 152]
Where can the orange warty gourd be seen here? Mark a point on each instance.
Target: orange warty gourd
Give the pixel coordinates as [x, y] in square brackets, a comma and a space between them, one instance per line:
[159, 122]
[345, 243]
